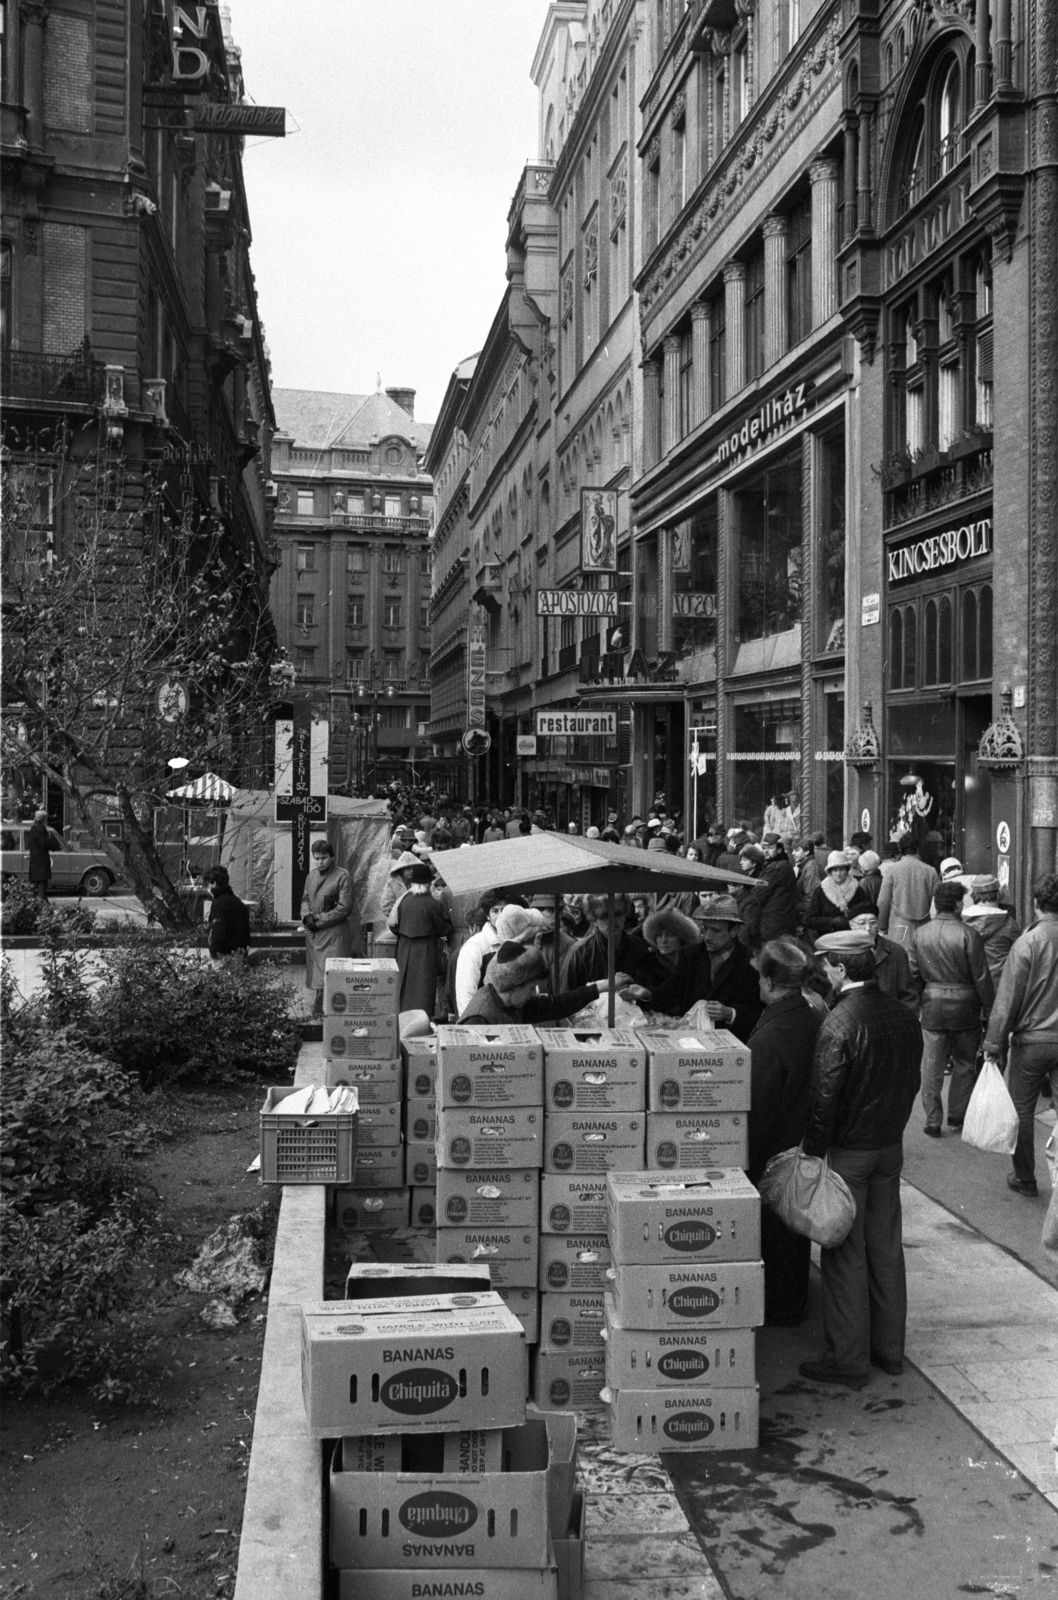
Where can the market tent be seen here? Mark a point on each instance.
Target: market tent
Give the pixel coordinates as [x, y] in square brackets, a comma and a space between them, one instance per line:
[209, 788]
[558, 864]
[358, 830]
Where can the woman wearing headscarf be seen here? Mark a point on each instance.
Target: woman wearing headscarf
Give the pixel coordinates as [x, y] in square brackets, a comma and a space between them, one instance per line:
[836, 900]
[420, 923]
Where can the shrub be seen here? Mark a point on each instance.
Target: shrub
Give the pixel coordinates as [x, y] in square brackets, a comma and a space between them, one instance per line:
[167, 1014]
[23, 912]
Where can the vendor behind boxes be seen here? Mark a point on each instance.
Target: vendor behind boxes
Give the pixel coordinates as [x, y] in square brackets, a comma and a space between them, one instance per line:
[717, 971]
[509, 995]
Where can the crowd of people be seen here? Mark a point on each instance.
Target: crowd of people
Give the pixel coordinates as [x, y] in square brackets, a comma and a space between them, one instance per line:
[859, 982]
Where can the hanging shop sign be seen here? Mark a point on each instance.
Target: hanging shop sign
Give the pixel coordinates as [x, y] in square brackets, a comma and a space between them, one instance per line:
[263, 122]
[476, 742]
[941, 550]
[525, 744]
[773, 415]
[598, 530]
[476, 675]
[577, 723]
[621, 668]
[576, 602]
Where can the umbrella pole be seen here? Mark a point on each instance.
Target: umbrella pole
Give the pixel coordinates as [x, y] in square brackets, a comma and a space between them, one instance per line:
[556, 964]
[611, 960]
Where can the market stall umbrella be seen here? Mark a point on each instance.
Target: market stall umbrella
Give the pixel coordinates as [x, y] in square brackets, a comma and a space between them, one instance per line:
[558, 864]
[209, 787]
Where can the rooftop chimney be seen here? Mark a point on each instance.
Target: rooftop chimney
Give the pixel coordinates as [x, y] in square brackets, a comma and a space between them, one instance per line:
[405, 398]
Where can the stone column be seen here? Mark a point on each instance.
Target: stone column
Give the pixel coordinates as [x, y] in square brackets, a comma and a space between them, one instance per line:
[726, 602]
[851, 168]
[864, 198]
[665, 589]
[983, 71]
[670, 417]
[33, 14]
[701, 399]
[824, 179]
[809, 739]
[651, 385]
[1002, 49]
[776, 334]
[735, 324]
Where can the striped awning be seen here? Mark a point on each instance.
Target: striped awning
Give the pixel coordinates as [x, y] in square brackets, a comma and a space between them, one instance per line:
[209, 787]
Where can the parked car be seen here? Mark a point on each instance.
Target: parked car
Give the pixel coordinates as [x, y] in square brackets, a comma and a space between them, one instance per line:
[84, 871]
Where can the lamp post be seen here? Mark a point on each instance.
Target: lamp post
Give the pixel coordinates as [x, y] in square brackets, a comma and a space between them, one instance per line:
[372, 689]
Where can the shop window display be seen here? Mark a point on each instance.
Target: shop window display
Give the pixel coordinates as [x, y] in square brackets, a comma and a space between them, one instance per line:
[832, 542]
[768, 520]
[766, 765]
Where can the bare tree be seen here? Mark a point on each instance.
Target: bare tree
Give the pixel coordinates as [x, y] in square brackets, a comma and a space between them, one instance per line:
[135, 626]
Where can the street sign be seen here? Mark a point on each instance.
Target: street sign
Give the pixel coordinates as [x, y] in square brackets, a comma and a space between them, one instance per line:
[525, 744]
[476, 741]
[1003, 838]
[300, 796]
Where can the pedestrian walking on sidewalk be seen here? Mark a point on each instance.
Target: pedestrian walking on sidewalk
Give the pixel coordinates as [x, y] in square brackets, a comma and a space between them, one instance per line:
[228, 929]
[327, 914]
[906, 893]
[1024, 1022]
[39, 841]
[948, 962]
[865, 1075]
[781, 1049]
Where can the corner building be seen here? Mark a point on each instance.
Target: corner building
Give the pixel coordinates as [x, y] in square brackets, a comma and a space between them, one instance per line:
[845, 523]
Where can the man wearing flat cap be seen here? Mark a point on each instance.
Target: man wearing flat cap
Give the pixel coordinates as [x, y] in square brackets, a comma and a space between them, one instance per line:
[718, 971]
[865, 1075]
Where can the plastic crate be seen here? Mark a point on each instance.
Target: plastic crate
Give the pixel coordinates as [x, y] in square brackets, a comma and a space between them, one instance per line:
[306, 1149]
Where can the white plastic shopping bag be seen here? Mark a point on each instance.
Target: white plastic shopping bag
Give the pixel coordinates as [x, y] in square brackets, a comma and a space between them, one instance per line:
[991, 1123]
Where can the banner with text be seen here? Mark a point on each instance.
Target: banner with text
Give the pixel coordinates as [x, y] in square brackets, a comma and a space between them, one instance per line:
[578, 723]
[476, 675]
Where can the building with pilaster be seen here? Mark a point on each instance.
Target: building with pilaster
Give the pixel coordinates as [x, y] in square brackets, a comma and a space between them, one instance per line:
[847, 504]
[447, 461]
[131, 344]
[351, 589]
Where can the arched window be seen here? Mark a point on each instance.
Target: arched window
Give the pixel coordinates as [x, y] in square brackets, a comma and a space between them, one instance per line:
[933, 118]
[969, 633]
[944, 641]
[949, 127]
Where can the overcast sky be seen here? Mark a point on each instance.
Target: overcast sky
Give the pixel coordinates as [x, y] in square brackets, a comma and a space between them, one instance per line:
[379, 222]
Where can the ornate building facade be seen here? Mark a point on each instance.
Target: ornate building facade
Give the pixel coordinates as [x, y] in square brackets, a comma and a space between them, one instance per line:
[351, 590]
[131, 343]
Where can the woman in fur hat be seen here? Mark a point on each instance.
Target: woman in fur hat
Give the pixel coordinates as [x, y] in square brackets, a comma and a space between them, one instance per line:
[420, 923]
[509, 992]
[668, 932]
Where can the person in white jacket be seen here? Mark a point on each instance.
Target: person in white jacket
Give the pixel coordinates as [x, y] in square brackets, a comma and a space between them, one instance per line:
[473, 951]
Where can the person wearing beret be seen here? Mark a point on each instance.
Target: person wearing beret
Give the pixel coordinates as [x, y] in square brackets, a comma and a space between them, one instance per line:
[509, 994]
[718, 972]
[866, 1072]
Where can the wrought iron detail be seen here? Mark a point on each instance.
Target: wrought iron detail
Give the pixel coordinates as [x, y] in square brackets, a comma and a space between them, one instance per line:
[1001, 744]
[864, 748]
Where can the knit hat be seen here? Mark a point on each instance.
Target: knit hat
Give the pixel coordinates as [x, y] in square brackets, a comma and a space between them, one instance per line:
[837, 858]
[420, 873]
[950, 867]
[592, 833]
[669, 920]
[869, 860]
[719, 908]
[984, 883]
[402, 861]
[518, 924]
[513, 965]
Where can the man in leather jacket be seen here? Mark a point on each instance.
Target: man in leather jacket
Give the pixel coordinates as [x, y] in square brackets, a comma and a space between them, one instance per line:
[717, 971]
[865, 1075]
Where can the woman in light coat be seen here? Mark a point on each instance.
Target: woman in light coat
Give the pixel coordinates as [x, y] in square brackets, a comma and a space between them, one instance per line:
[327, 915]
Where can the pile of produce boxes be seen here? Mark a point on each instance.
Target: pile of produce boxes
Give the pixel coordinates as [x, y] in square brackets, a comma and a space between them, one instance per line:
[361, 1046]
[442, 1480]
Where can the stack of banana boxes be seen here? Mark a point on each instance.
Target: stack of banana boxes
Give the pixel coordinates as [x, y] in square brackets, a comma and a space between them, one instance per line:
[490, 1146]
[594, 1124]
[442, 1480]
[420, 1128]
[360, 1042]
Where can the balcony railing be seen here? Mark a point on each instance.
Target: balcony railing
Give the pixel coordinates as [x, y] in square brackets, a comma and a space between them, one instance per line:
[363, 523]
[58, 379]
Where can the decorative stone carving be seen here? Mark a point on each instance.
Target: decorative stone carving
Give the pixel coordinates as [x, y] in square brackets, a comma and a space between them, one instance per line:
[113, 409]
[619, 194]
[863, 748]
[1001, 747]
[154, 400]
[591, 251]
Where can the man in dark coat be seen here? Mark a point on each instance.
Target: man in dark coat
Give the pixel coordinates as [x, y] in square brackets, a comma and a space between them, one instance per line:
[509, 993]
[781, 1049]
[589, 958]
[865, 1075]
[717, 971]
[39, 841]
[228, 929]
[892, 967]
[775, 898]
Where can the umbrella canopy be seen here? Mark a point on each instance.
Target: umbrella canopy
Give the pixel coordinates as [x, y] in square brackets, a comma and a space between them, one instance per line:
[557, 863]
[208, 787]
